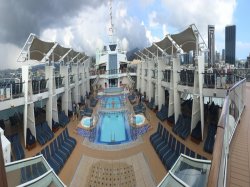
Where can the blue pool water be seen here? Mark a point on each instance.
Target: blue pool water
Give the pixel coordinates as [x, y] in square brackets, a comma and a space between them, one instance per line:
[113, 102]
[138, 119]
[86, 122]
[113, 128]
[113, 90]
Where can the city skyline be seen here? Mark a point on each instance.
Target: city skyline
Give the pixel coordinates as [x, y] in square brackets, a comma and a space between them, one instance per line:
[84, 25]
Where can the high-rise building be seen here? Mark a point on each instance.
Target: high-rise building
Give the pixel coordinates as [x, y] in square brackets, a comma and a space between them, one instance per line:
[211, 45]
[230, 39]
[217, 57]
[248, 61]
[223, 55]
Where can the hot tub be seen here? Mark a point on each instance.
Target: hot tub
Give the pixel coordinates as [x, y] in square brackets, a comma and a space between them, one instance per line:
[86, 122]
[139, 120]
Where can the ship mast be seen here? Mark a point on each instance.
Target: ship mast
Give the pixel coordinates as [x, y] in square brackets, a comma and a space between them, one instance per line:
[111, 29]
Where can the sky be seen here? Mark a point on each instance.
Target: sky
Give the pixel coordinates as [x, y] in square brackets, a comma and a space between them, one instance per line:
[84, 25]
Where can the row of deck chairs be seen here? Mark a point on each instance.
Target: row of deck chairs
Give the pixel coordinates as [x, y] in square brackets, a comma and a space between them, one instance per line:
[168, 148]
[163, 113]
[93, 102]
[171, 119]
[2, 124]
[43, 133]
[31, 172]
[209, 142]
[140, 108]
[182, 126]
[132, 98]
[86, 112]
[30, 140]
[16, 147]
[58, 151]
[196, 133]
[16, 119]
[151, 104]
[63, 119]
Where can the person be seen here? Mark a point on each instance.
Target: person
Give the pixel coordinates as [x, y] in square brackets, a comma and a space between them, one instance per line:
[74, 110]
[78, 110]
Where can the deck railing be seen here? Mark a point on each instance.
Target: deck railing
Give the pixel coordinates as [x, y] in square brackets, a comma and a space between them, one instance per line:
[231, 112]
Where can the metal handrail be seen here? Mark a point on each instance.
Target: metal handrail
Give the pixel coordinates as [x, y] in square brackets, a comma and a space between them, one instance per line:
[218, 171]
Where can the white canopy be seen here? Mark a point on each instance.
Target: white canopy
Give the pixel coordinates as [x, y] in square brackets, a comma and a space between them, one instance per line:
[41, 51]
[185, 41]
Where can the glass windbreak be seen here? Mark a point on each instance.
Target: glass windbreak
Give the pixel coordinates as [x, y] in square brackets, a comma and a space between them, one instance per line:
[191, 171]
[30, 171]
[170, 181]
[49, 179]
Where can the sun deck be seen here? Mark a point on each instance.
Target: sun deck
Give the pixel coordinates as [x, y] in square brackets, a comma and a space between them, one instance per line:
[152, 164]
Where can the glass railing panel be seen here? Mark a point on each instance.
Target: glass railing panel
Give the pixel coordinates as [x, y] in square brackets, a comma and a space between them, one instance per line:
[48, 179]
[25, 170]
[170, 181]
[193, 172]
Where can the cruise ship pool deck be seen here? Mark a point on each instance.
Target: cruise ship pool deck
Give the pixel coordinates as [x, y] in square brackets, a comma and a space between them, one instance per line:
[137, 158]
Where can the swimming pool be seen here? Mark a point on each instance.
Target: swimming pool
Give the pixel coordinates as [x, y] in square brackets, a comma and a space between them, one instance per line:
[112, 102]
[113, 90]
[113, 128]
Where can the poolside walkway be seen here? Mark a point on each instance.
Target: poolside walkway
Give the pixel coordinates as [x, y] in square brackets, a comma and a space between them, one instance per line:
[143, 146]
[238, 161]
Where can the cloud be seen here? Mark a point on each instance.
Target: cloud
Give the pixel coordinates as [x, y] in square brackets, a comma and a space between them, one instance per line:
[84, 25]
[153, 19]
[181, 13]
[145, 3]
[9, 53]
[86, 33]
[19, 18]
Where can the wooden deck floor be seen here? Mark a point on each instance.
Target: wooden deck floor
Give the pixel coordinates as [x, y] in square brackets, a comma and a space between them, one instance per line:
[238, 161]
[157, 169]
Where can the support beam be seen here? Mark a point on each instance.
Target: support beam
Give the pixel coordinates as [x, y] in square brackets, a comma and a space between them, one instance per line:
[49, 53]
[61, 59]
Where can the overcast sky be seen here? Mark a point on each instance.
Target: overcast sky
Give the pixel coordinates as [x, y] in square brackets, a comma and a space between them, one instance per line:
[83, 24]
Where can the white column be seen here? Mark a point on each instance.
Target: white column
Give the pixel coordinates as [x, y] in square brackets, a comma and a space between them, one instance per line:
[138, 76]
[86, 69]
[28, 113]
[201, 67]
[171, 94]
[176, 79]
[142, 86]
[196, 101]
[82, 87]
[76, 90]
[161, 90]
[64, 71]
[49, 74]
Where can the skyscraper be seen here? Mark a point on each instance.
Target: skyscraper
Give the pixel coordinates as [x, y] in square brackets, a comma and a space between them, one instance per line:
[223, 55]
[230, 38]
[211, 45]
